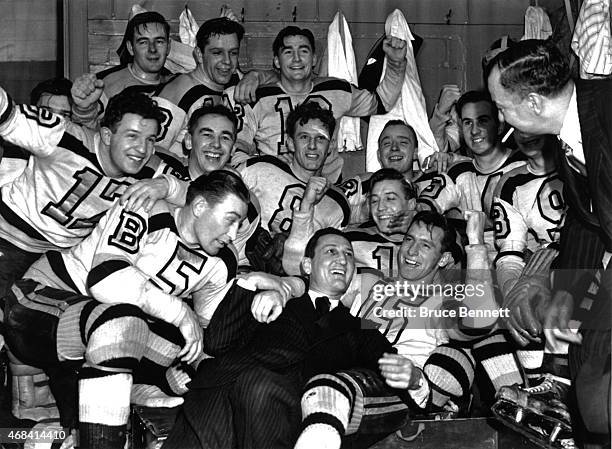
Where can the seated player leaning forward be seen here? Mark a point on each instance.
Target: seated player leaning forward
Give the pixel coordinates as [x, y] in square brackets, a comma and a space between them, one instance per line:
[248, 395]
[113, 306]
[417, 312]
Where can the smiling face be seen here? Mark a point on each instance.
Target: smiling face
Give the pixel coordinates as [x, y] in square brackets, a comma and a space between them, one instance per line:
[387, 201]
[295, 59]
[421, 256]
[211, 143]
[396, 147]
[331, 268]
[216, 226]
[150, 47]
[479, 126]
[219, 59]
[130, 146]
[514, 110]
[310, 145]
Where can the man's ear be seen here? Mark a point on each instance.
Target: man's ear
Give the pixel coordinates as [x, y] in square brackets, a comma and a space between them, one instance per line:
[197, 55]
[412, 204]
[187, 141]
[378, 157]
[315, 59]
[276, 63]
[129, 47]
[446, 259]
[199, 206]
[535, 103]
[307, 265]
[105, 135]
[290, 144]
[168, 46]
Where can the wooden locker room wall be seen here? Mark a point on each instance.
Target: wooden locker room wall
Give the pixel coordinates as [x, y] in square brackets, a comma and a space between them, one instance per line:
[456, 32]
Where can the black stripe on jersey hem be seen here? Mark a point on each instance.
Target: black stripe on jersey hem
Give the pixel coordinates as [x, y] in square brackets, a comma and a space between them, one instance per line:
[361, 236]
[252, 212]
[343, 203]
[105, 269]
[104, 73]
[507, 253]
[270, 160]
[71, 143]
[15, 220]
[13, 151]
[334, 384]
[333, 84]
[84, 317]
[512, 183]
[324, 418]
[59, 268]
[194, 94]
[267, 91]
[228, 257]
[9, 108]
[381, 109]
[459, 168]
[119, 310]
[164, 220]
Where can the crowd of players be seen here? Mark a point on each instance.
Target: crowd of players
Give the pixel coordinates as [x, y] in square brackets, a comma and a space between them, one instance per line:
[141, 211]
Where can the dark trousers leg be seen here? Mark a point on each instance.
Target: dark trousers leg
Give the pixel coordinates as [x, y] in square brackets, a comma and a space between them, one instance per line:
[266, 409]
[14, 262]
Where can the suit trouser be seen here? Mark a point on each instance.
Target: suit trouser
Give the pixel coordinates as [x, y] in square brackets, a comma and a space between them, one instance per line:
[261, 409]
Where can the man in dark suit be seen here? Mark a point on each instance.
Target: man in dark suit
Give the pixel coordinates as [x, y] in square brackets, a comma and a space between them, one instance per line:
[248, 396]
[530, 83]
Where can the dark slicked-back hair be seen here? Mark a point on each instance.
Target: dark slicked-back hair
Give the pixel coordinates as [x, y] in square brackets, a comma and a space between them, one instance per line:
[131, 102]
[533, 66]
[217, 27]
[216, 186]
[476, 96]
[392, 174]
[312, 243]
[433, 219]
[398, 122]
[305, 112]
[140, 21]
[217, 109]
[279, 40]
[54, 86]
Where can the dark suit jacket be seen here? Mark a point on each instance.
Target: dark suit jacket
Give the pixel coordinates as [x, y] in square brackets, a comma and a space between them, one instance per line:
[588, 227]
[297, 342]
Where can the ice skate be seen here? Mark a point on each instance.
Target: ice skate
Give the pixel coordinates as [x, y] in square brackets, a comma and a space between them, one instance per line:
[539, 412]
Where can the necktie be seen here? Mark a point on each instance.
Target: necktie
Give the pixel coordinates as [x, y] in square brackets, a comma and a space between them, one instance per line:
[322, 305]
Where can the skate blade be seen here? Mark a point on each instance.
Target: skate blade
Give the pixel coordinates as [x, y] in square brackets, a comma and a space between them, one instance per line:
[562, 439]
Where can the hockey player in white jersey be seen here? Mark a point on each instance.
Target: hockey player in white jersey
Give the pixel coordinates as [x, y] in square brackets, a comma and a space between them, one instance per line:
[469, 185]
[142, 53]
[528, 207]
[280, 187]
[423, 374]
[263, 121]
[114, 305]
[73, 176]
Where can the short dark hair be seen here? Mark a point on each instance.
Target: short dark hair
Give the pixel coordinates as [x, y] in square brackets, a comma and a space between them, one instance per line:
[398, 122]
[216, 186]
[279, 40]
[217, 109]
[433, 219]
[135, 23]
[130, 101]
[533, 65]
[312, 243]
[307, 111]
[217, 27]
[53, 86]
[476, 96]
[392, 174]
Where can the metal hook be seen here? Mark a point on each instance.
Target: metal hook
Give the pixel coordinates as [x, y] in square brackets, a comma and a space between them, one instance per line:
[242, 15]
[294, 14]
[447, 17]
